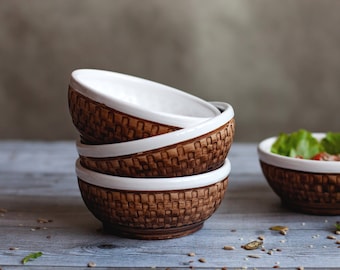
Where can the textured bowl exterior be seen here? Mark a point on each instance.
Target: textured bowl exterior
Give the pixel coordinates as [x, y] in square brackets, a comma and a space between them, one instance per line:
[153, 214]
[199, 155]
[306, 192]
[100, 124]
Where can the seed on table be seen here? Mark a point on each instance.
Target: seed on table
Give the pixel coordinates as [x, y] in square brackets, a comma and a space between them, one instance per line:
[300, 268]
[261, 237]
[254, 256]
[337, 232]
[202, 260]
[279, 228]
[228, 248]
[91, 264]
[253, 245]
[283, 232]
[332, 237]
[337, 242]
[42, 220]
[191, 254]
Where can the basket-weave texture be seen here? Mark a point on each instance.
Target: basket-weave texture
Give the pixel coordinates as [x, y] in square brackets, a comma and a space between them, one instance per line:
[100, 124]
[145, 212]
[313, 193]
[195, 156]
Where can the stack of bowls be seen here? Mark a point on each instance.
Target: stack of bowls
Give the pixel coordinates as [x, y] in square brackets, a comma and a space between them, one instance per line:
[152, 159]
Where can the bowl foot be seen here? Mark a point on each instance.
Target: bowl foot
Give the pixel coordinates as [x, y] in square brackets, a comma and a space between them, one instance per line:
[313, 208]
[151, 234]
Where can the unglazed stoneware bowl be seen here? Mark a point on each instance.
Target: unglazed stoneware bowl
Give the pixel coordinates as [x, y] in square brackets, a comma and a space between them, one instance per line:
[108, 107]
[308, 186]
[153, 208]
[187, 151]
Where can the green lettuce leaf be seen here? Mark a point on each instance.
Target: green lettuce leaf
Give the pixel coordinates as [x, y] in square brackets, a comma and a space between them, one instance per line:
[297, 144]
[331, 143]
[31, 257]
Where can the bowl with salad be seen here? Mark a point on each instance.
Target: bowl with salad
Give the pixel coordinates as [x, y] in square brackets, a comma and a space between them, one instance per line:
[303, 169]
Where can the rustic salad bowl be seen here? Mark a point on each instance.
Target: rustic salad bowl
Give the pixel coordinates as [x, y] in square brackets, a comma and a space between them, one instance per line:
[187, 151]
[153, 208]
[109, 107]
[304, 185]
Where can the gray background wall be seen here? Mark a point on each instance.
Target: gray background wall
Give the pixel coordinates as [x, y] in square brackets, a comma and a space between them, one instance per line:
[277, 62]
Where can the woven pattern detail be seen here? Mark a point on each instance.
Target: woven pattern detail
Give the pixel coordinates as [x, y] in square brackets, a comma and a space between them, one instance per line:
[315, 193]
[100, 124]
[195, 156]
[153, 209]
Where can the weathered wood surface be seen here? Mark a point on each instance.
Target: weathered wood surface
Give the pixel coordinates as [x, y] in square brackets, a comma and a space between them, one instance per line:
[37, 181]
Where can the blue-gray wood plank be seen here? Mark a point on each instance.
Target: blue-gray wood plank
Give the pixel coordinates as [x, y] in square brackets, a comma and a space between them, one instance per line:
[37, 180]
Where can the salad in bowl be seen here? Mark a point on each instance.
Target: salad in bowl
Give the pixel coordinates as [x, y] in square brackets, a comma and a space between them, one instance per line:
[303, 169]
[306, 145]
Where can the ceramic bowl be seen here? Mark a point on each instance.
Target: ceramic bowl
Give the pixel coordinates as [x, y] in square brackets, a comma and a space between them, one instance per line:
[152, 208]
[183, 152]
[108, 107]
[308, 186]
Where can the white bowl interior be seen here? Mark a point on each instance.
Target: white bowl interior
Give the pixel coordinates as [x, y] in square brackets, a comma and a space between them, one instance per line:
[142, 98]
[142, 145]
[153, 184]
[316, 166]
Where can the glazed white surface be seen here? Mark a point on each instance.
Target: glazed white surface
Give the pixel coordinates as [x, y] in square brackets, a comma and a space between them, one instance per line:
[316, 166]
[153, 184]
[142, 145]
[142, 98]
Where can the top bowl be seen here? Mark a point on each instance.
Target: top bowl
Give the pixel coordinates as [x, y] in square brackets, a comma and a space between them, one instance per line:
[109, 107]
[308, 186]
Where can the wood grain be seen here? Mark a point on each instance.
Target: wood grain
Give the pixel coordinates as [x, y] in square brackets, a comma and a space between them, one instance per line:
[38, 183]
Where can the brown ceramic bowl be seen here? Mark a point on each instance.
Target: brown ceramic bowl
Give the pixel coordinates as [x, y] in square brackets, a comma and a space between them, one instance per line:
[109, 107]
[180, 153]
[308, 186]
[152, 209]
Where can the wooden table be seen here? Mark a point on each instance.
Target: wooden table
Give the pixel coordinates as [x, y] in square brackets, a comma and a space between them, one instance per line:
[41, 210]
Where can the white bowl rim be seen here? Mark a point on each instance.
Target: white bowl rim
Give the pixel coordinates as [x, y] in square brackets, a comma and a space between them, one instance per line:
[153, 184]
[305, 165]
[155, 142]
[166, 118]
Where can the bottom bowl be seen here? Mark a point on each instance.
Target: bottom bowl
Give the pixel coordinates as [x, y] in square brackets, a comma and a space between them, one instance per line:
[307, 186]
[144, 209]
